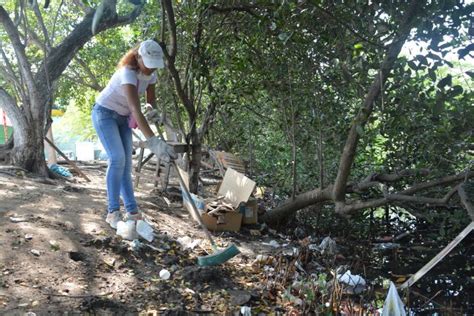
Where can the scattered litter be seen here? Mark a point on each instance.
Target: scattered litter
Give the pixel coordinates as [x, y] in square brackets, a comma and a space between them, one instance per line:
[313, 247]
[188, 290]
[110, 261]
[188, 242]
[263, 259]
[35, 252]
[386, 246]
[145, 230]
[255, 232]
[246, 311]
[18, 219]
[355, 283]
[272, 243]
[127, 230]
[393, 305]
[28, 236]
[291, 252]
[328, 246]
[155, 248]
[165, 274]
[60, 170]
[54, 245]
[136, 245]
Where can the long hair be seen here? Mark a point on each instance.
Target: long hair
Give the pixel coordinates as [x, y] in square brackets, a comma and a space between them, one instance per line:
[129, 59]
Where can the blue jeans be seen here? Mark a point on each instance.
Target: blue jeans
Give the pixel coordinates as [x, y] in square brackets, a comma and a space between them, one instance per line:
[116, 137]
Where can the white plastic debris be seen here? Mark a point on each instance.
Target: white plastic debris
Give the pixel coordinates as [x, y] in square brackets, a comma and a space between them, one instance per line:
[35, 252]
[355, 283]
[165, 274]
[188, 242]
[246, 311]
[328, 246]
[127, 230]
[18, 219]
[272, 243]
[145, 230]
[393, 305]
[386, 246]
[136, 245]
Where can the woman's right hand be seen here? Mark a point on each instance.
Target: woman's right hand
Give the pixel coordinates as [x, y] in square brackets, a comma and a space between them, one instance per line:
[161, 149]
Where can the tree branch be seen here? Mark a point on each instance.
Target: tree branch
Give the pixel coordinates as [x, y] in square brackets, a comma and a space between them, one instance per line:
[95, 83]
[171, 28]
[348, 154]
[61, 55]
[376, 179]
[170, 59]
[24, 64]
[404, 195]
[39, 17]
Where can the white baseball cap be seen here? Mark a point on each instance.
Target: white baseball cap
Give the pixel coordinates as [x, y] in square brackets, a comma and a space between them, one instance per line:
[152, 54]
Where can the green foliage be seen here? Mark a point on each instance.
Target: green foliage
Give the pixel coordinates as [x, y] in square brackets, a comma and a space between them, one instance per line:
[278, 68]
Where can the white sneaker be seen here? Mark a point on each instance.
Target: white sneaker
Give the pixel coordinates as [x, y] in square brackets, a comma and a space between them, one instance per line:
[133, 217]
[113, 218]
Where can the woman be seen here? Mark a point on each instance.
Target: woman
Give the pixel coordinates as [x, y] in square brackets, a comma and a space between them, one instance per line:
[116, 111]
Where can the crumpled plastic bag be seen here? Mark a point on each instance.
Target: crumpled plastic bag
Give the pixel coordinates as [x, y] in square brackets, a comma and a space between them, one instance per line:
[145, 230]
[354, 283]
[393, 305]
[127, 230]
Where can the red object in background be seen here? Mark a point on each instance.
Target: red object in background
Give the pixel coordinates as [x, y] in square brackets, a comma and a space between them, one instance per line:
[5, 122]
[4, 119]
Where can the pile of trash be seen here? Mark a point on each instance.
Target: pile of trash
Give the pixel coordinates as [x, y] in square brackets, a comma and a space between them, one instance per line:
[218, 207]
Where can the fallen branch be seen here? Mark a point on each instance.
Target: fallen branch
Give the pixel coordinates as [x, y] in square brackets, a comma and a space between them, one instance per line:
[280, 213]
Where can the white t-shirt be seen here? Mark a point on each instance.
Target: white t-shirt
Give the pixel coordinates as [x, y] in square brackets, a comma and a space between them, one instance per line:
[113, 96]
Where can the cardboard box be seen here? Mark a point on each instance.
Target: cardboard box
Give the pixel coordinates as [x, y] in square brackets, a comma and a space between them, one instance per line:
[236, 188]
[232, 222]
[249, 211]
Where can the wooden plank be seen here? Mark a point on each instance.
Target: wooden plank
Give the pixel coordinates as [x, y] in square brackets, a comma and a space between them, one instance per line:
[74, 166]
[179, 148]
[427, 267]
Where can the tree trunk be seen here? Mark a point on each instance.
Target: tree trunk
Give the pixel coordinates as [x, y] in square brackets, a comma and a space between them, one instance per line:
[282, 212]
[195, 164]
[28, 151]
[30, 121]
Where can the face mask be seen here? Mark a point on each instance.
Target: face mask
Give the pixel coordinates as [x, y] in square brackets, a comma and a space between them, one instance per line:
[143, 77]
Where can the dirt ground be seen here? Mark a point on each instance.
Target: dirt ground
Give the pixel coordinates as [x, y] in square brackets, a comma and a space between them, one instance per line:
[60, 256]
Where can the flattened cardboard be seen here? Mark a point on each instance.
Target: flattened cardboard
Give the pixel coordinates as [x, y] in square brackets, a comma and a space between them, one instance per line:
[236, 187]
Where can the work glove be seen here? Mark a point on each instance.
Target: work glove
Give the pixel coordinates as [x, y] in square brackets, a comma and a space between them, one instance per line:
[153, 116]
[161, 149]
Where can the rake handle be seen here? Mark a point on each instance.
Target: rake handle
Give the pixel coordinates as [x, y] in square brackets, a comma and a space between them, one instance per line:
[193, 205]
[195, 210]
